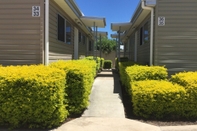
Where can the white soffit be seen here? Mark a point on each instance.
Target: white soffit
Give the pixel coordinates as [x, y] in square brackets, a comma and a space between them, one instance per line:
[101, 33]
[116, 35]
[120, 26]
[89, 21]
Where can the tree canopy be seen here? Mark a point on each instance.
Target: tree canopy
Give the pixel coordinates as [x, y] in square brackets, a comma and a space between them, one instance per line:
[107, 45]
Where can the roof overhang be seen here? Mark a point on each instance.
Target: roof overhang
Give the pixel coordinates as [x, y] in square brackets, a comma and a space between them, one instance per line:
[101, 33]
[120, 26]
[143, 14]
[137, 18]
[116, 35]
[71, 8]
[91, 21]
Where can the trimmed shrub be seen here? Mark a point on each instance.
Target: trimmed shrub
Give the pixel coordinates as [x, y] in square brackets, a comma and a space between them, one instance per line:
[102, 63]
[32, 96]
[97, 59]
[107, 64]
[80, 77]
[189, 81]
[122, 59]
[157, 99]
[139, 73]
[122, 71]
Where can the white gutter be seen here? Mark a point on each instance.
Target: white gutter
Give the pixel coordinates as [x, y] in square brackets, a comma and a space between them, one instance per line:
[46, 55]
[151, 30]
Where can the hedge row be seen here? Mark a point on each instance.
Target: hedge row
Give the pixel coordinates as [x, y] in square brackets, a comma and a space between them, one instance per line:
[43, 96]
[107, 64]
[157, 99]
[188, 80]
[33, 96]
[80, 77]
[99, 62]
[155, 96]
[130, 72]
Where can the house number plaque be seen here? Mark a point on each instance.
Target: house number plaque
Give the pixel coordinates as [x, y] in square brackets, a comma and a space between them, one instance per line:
[161, 21]
[35, 11]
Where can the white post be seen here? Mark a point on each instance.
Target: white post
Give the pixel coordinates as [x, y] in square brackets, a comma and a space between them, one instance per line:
[46, 55]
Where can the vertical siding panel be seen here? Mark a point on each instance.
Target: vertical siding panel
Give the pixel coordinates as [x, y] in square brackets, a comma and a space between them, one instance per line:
[21, 35]
[132, 47]
[176, 42]
[59, 50]
[83, 46]
[143, 51]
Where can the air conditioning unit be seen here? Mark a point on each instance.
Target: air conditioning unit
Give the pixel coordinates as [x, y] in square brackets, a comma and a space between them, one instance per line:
[151, 3]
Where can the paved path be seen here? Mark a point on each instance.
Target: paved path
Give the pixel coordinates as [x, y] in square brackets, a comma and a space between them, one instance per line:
[105, 99]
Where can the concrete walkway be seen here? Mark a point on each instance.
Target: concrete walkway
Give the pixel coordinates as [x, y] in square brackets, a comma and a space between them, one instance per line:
[105, 99]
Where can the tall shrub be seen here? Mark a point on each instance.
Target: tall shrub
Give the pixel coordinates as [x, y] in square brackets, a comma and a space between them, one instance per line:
[32, 96]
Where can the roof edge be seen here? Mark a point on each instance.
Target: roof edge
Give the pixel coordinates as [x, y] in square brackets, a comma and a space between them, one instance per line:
[72, 4]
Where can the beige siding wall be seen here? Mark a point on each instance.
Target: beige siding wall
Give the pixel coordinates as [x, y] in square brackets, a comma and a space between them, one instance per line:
[143, 51]
[176, 42]
[83, 46]
[59, 50]
[110, 56]
[132, 47]
[21, 35]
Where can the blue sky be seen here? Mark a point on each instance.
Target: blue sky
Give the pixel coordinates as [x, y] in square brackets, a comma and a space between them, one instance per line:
[115, 11]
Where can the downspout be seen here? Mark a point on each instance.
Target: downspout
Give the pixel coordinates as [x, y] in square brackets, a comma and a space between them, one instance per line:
[151, 30]
[46, 55]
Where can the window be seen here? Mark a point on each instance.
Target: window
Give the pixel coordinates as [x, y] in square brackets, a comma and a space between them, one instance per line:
[141, 35]
[90, 46]
[144, 34]
[64, 30]
[82, 38]
[61, 27]
[68, 33]
[79, 37]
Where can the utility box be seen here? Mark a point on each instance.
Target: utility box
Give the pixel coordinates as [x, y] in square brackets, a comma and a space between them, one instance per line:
[151, 3]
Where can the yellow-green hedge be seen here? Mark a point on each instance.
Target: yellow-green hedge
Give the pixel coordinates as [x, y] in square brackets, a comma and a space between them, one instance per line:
[80, 76]
[139, 73]
[189, 81]
[122, 71]
[98, 61]
[102, 63]
[107, 64]
[33, 96]
[157, 99]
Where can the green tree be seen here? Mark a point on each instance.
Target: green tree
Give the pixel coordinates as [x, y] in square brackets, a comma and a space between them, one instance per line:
[107, 45]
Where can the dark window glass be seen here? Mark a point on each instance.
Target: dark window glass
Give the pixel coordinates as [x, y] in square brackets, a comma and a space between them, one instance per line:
[79, 37]
[90, 46]
[68, 33]
[146, 33]
[141, 35]
[61, 28]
